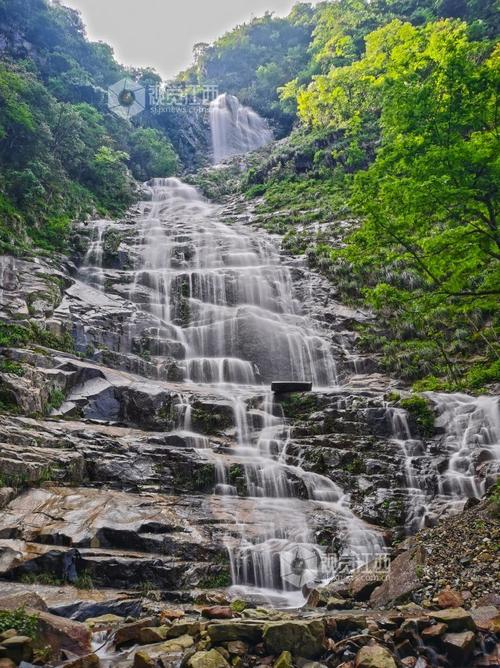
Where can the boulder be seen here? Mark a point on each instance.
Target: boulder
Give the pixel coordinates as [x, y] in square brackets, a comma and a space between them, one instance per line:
[237, 630]
[218, 612]
[64, 634]
[337, 604]
[17, 648]
[449, 598]
[374, 656]
[237, 647]
[459, 646]
[29, 599]
[210, 659]
[143, 660]
[7, 663]
[181, 628]
[104, 621]
[434, 631]
[401, 580]
[348, 622]
[456, 619]
[130, 633]
[152, 634]
[300, 637]
[486, 618]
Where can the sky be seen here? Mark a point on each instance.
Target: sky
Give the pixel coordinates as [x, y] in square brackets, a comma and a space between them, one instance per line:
[161, 33]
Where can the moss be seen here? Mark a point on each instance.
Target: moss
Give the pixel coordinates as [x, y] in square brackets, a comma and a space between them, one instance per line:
[217, 581]
[420, 409]
[298, 404]
[208, 422]
[356, 466]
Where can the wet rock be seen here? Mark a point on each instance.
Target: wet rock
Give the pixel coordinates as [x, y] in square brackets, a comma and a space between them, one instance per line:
[17, 648]
[180, 628]
[171, 615]
[459, 646]
[237, 648]
[218, 612]
[23, 600]
[104, 621]
[7, 663]
[152, 634]
[402, 579]
[83, 611]
[89, 661]
[64, 634]
[449, 598]
[434, 631]
[143, 660]
[130, 633]
[374, 656]
[337, 604]
[457, 619]
[486, 618]
[248, 631]
[210, 659]
[302, 638]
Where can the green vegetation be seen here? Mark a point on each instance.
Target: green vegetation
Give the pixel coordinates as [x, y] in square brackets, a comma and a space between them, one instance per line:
[220, 580]
[20, 335]
[56, 399]
[419, 407]
[84, 581]
[9, 366]
[72, 157]
[42, 579]
[398, 139]
[24, 623]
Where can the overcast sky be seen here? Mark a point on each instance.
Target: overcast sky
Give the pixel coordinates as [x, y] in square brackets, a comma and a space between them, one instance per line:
[161, 33]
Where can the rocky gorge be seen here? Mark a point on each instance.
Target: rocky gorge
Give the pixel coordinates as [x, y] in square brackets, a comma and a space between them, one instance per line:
[160, 506]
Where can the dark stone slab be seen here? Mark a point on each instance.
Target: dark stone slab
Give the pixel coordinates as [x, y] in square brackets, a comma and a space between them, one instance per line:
[283, 386]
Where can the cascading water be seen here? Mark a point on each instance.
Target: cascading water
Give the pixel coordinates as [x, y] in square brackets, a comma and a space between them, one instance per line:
[235, 129]
[212, 305]
[218, 299]
[441, 475]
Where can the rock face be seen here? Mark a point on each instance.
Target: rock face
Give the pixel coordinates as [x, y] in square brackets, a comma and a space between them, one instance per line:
[128, 467]
[402, 580]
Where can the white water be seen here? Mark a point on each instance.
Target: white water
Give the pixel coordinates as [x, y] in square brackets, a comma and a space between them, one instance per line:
[235, 129]
[443, 473]
[220, 299]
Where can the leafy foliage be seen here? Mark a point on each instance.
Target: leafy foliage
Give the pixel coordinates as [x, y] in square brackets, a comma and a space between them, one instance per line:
[63, 156]
[24, 623]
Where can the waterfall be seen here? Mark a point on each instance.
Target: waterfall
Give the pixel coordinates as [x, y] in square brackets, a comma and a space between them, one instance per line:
[459, 464]
[235, 129]
[218, 300]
